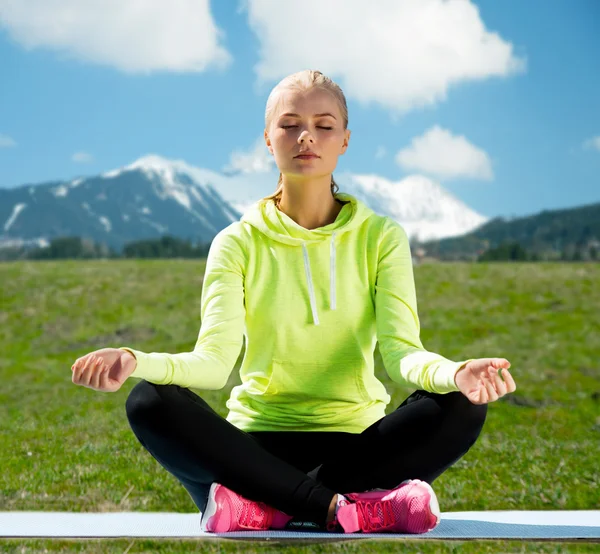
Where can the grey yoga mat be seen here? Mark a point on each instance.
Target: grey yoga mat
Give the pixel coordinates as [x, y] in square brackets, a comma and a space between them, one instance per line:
[575, 524]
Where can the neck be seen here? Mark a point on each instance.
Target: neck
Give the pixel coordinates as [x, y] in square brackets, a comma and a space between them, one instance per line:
[310, 207]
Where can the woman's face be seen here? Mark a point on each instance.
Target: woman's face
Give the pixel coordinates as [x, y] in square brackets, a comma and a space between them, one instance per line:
[324, 135]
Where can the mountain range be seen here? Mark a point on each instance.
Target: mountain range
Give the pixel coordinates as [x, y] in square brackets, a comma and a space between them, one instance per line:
[154, 196]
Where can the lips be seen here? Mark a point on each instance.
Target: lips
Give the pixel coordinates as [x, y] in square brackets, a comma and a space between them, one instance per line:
[307, 155]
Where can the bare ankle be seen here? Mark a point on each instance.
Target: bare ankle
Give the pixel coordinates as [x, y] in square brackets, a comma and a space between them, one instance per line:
[331, 512]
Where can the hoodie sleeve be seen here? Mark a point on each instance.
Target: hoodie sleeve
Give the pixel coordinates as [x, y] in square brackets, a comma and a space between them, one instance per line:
[222, 313]
[397, 321]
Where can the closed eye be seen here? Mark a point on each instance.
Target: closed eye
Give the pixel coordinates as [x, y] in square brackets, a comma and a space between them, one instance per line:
[290, 126]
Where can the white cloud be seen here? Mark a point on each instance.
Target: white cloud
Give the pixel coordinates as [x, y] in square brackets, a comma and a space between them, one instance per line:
[400, 54]
[82, 157]
[438, 152]
[257, 160]
[592, 144]
[6, 141]
[381, 152]
[133, 36]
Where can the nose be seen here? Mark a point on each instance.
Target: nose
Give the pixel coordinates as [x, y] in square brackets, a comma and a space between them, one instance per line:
[302, 136]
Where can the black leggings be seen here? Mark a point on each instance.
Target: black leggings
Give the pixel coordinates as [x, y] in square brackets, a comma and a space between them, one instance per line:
[299, 472]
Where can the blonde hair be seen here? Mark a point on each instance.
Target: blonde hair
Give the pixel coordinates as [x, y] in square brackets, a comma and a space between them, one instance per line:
[303, 81]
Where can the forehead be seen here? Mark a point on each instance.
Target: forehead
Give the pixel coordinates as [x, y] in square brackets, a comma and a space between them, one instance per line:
[307, 103]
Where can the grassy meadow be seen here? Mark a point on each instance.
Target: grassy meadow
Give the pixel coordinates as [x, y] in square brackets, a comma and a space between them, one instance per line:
[65, 447]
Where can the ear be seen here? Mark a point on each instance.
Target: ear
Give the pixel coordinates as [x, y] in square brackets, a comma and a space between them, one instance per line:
[268, 142]
[346, 141]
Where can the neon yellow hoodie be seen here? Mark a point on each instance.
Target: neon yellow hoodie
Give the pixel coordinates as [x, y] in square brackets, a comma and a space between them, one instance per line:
[312, 305]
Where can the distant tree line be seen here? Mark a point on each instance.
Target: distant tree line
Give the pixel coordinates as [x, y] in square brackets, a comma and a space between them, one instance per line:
[169, 246]
[166, 246]
[513, 251]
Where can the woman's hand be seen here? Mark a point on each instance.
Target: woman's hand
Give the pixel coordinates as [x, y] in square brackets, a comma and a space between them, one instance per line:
[103, 370]
[480, 381]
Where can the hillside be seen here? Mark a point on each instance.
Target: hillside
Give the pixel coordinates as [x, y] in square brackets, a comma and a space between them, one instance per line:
[550, 235]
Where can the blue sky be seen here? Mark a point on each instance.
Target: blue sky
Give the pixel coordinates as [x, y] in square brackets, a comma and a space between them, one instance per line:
[498, 102]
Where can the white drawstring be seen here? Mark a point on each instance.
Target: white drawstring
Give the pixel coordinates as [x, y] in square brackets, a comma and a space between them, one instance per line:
[332, 273]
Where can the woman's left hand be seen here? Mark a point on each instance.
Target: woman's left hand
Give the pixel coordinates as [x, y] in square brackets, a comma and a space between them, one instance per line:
[480, 381]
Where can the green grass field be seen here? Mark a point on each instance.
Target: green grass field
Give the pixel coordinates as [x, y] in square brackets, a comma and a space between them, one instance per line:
[65, 447]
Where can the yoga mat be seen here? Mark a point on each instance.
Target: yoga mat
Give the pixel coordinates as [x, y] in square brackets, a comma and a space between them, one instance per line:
[532, 525]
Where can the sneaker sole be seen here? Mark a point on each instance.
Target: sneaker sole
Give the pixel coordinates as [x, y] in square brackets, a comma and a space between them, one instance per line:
[210, 510]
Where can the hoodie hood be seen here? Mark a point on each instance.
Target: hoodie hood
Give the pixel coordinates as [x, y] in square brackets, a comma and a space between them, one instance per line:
[279, 227]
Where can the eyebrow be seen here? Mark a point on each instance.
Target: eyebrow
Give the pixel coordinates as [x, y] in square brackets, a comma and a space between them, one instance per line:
[316, 115]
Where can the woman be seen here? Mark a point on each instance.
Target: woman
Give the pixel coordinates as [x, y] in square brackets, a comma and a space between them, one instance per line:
[313, 279]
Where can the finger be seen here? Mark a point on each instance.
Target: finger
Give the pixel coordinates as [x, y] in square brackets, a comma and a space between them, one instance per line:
[80, 362]
[95, 373]
[493, 395]
[499, 363]
[499, 384]
[88, 372]
[84, 374]
[483, 394]
[98, 370]
[79, 369]
[510, 382]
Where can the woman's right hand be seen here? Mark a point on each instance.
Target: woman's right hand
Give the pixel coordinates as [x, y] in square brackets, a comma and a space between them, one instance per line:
[103, 370]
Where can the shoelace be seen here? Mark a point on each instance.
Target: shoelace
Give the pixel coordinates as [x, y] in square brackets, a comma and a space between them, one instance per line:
[248, 519]
[368, 513]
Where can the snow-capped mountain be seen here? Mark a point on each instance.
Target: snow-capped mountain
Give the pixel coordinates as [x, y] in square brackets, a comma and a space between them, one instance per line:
[424, 209]
[147, 199]
[154, 196]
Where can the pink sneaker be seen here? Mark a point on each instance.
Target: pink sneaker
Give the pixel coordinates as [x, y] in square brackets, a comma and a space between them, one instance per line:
[228, 511]
[412, 507]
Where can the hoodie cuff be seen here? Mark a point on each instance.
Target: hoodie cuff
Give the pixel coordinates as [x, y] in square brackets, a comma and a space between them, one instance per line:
[151, 370]
[445, 375]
